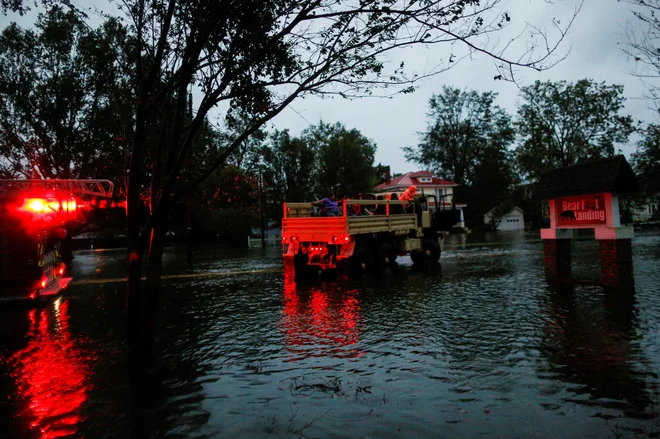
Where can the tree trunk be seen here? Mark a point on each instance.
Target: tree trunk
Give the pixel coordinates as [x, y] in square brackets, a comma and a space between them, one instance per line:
[133, 208]
[152, 291]
[189, 237]
[133, 300]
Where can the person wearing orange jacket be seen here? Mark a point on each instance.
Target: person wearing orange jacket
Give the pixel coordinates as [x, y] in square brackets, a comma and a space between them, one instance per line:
[408, 194]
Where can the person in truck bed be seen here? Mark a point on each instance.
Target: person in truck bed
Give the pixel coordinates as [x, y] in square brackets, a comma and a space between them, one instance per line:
[357, 209]
[396, 209]
[328, 205]
[409, 194]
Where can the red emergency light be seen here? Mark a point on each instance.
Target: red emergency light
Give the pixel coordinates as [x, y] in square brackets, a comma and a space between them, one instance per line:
[49, 209]
[43, 206]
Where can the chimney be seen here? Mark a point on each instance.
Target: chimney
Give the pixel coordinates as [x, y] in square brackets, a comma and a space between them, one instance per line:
[388, 176]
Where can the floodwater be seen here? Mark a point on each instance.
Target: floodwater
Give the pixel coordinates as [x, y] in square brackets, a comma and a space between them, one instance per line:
[479, 346]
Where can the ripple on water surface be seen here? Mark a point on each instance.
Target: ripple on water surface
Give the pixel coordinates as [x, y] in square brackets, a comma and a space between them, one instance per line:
[479, 347]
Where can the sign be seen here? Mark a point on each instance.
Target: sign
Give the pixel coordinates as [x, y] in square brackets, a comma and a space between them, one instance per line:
[582, 210]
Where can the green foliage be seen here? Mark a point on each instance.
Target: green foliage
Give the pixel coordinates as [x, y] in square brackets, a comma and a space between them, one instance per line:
[646, 161]
[248, 154]
[289, 167]
[64, 99]
[228, 201]
[492, 185]
[345, 160]
[561, 124]
[466, 131]
[324, 159]
[382, 174]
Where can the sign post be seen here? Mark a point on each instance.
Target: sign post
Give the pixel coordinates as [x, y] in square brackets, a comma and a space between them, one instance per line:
[590, 211]
[585, 196]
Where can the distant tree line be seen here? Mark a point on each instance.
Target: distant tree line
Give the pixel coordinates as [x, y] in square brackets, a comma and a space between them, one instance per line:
[489, 153]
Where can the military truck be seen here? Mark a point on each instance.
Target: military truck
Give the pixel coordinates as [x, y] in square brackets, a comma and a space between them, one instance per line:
[356, 244]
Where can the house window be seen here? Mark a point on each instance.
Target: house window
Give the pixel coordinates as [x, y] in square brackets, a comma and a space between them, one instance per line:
[425, 179]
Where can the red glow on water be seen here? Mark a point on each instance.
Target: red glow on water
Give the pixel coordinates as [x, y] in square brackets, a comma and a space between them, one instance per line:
[320, 322]
[51, 374]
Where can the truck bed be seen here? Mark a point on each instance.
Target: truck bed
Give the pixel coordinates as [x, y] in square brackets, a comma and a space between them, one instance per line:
[298, 222]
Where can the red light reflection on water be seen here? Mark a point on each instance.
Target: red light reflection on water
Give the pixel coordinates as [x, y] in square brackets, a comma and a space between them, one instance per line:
[51, 374]
[320, 323]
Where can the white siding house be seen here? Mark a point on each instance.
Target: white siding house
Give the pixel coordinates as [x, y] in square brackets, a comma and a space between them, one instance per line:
[511, 221]
[646, 211]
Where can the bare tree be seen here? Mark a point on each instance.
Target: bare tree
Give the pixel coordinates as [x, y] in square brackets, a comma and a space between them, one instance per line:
[258, 56]
[642, 40]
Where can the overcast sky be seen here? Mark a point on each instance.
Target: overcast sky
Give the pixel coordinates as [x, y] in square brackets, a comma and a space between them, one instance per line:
[394, 123]
[595, 53]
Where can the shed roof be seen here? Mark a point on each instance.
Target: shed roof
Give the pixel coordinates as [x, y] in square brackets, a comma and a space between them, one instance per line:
[612, 174]
[513, 209]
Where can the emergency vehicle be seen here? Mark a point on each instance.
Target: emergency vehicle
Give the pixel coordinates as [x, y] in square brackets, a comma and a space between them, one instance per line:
[360, 243]
[34, 215]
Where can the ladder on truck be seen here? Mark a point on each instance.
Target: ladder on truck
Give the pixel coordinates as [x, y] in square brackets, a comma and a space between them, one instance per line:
[94, 188]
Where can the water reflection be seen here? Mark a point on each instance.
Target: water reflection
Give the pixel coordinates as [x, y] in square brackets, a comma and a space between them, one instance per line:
[479, 347]
[51, 374]
[321, 321]
[591, 342]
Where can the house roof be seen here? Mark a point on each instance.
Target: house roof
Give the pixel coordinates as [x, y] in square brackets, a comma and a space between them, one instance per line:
[409, 178]
[513, 209]
[604, 175]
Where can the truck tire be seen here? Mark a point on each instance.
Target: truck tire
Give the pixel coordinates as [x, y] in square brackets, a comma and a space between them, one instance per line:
[343, 271]
[384, 257]
[360, 263]
[300, 265]
[431, 250]
[417, 256]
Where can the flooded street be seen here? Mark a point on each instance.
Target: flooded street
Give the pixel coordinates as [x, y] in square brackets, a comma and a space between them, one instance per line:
[479, 346]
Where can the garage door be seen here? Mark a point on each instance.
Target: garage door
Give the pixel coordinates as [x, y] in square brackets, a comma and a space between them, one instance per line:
[510, 223]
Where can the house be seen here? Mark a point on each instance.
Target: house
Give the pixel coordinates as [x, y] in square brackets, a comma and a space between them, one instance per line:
[427, 184]
[513, 220]
[646, 211]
